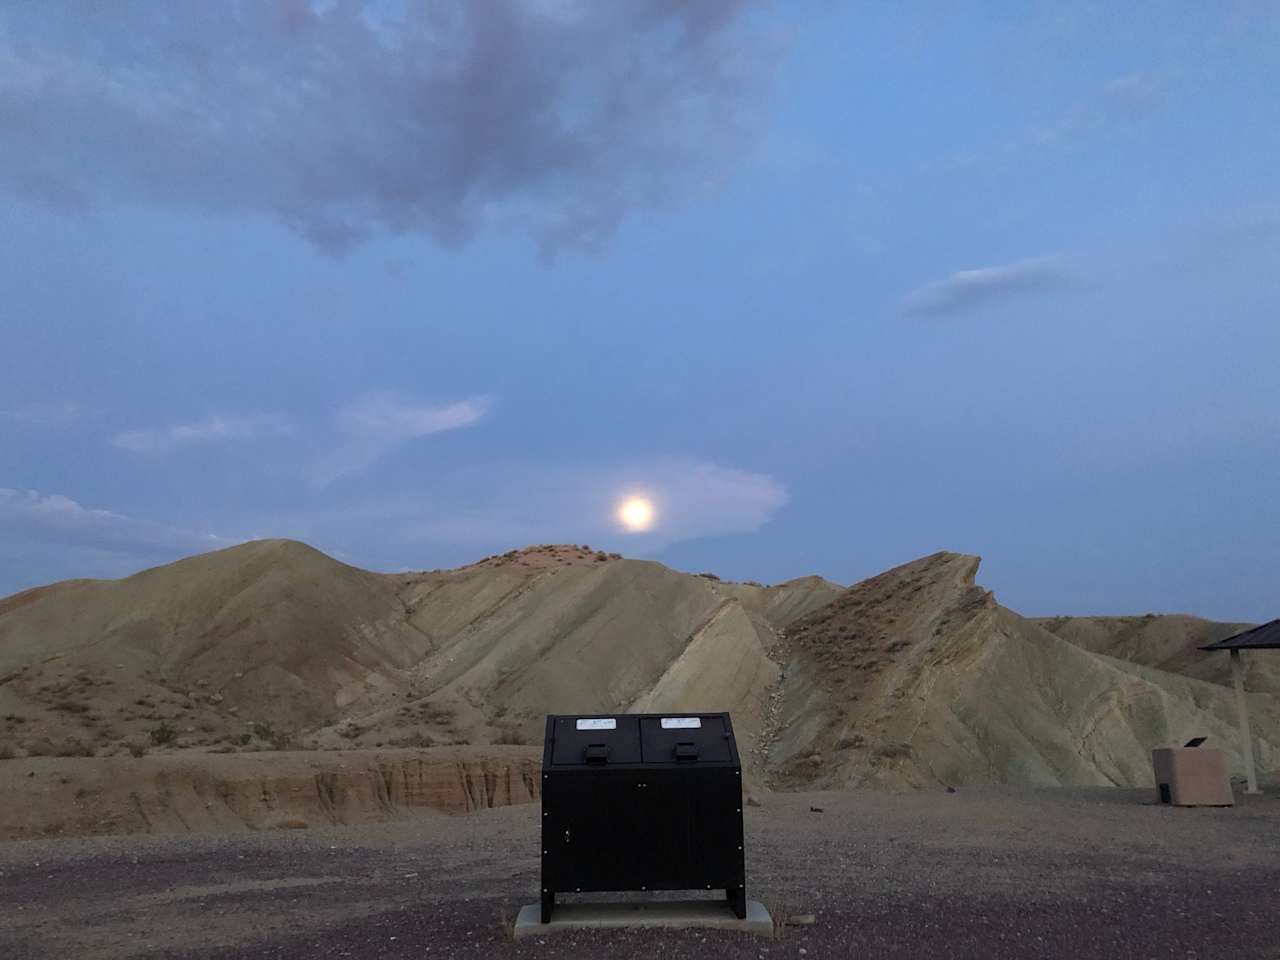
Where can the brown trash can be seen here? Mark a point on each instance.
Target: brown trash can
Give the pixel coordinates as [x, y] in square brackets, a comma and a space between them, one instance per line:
[1192, 777]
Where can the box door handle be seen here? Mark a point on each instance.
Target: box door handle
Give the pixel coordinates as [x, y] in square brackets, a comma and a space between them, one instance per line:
[686, 751]
[596, 753]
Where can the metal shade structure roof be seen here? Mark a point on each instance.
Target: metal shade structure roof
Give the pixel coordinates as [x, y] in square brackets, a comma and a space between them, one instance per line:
[1265, 637]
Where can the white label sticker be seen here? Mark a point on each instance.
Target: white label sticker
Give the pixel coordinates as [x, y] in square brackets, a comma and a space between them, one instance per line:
[680, 723]
[606, 723]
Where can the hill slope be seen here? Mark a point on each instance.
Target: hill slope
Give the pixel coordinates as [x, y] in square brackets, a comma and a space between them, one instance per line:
[272, 641]
[1169, 642]
[914, 677]
[919, 677]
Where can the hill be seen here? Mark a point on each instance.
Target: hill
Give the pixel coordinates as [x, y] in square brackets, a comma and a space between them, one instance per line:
[919, 677]
[916, 677]
[274, 643]
[1169, 642]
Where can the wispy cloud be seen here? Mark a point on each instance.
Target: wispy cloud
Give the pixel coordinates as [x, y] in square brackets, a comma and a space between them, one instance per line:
[1122, 100]
[971, 289]
[1098, 111]
[53, 518]
[343, 119]
[54, 413]
[379, 422]
[518, 505]
[160, 439]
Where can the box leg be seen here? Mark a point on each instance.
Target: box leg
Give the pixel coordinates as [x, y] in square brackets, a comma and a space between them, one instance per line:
[737, 901]
[548, 905]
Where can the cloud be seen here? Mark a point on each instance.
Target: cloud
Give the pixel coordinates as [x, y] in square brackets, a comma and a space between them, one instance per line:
[1140, 91]
[1124, 99]
[382, 418]
[972, 289]
[28, 515]
[160, 439]
[514, 506]
[53, 413]
[348, 118]
[379, 422]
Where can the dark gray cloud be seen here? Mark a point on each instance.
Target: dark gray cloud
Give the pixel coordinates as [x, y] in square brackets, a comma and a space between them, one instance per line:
[972, 289]
[346, 117]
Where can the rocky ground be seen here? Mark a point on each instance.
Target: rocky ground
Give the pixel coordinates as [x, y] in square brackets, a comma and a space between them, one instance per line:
[990, 872]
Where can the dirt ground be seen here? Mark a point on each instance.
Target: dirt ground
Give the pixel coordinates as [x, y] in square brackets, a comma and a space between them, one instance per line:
[983, 872]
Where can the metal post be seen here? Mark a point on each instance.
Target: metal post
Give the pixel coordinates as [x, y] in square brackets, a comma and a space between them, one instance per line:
[1242, 707]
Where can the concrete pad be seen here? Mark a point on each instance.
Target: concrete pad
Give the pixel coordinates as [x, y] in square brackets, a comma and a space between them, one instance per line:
[708, 914]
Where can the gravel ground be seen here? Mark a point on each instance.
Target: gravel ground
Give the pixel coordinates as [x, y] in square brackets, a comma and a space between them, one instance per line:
[986, 872]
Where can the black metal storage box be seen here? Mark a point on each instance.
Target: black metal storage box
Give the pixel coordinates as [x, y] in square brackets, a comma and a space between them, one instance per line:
[642, 802]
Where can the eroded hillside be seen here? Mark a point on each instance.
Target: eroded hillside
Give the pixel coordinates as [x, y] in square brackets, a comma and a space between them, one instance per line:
[916, 677]
[919, 677]
[274, 644]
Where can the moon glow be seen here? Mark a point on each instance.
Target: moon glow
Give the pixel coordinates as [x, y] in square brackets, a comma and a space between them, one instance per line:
[636, 514]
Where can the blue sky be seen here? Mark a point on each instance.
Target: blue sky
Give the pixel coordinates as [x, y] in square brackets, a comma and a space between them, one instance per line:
[834, 285]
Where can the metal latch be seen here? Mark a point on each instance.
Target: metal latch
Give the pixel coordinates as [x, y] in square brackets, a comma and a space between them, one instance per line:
[686, 751]
[596, 753]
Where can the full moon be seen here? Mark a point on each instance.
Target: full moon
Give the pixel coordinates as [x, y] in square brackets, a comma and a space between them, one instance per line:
[636, 514]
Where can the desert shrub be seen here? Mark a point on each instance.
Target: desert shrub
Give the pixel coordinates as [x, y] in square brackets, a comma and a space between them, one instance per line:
[894, 751]
[281, 740]
[708, 576]
[137, 749]
[73, 748]
[416, 739]
[6, 751]
[350, 732]
[434, 713]
[71, 706]
[278, 739]
[244, 739]
[601, 556]
[163, 734]
[510, 736]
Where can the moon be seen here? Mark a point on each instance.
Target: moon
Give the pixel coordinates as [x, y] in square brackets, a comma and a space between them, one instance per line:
[636, 514]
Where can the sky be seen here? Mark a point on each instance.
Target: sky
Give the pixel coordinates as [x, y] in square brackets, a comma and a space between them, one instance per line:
[831, 285]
